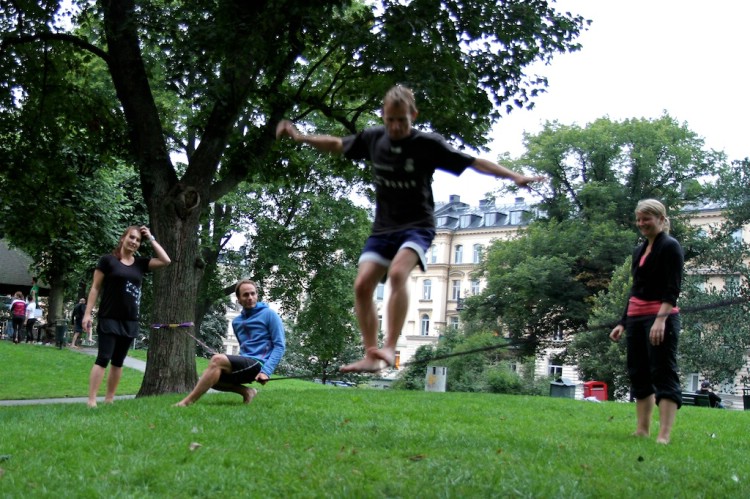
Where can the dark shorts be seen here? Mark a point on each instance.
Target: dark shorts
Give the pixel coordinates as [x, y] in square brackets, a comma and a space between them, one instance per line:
[117, 327]
[382, 248]
[244, 370]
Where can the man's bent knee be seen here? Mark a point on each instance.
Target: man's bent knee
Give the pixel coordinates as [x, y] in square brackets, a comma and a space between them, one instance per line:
[220, 361]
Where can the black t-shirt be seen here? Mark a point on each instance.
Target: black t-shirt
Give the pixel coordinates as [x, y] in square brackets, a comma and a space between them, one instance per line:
[121, 289]
[402, 173]
[78, 312]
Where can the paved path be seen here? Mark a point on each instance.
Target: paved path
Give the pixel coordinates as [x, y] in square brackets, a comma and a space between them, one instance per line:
[129, 362]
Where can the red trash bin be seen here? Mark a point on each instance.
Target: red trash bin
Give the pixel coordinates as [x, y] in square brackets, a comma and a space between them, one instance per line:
[596, 389]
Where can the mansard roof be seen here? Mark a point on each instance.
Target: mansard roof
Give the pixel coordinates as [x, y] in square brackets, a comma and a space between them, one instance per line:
[456, 215]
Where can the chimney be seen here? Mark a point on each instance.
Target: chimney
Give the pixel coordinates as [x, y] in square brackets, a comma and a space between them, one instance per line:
[454, 198]
[520, 200]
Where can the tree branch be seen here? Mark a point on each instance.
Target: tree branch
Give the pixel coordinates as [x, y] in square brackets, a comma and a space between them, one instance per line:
[61, 37]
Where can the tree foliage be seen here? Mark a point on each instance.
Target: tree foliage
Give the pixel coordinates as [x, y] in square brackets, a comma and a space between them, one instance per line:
[596, 356]
[542, 284]
[210, 80]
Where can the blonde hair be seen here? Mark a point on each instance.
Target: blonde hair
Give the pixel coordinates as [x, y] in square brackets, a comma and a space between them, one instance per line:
[655, 208]
[399, 94]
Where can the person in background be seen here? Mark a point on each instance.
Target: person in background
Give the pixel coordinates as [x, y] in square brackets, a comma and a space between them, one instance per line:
[30, 318]
[34, 293]
[117, 279]
[713, 399]
[18, 316]
[651, 321]
[78, 311]
[260, 333]
[403, 160]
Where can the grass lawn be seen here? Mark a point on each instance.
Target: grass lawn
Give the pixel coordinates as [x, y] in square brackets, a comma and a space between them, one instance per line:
[33, 371]
[299, 439]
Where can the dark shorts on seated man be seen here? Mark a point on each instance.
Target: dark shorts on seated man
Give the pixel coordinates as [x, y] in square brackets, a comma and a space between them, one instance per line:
[244, 370]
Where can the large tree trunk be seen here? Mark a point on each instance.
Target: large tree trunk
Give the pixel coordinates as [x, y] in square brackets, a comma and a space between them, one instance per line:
[171, 355]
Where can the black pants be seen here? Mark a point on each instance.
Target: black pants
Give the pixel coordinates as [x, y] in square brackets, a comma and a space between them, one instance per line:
[653, 369]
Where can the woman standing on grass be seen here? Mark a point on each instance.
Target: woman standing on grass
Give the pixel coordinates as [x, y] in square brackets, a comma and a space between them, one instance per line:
[651, 321]
[118, 278]
[18, 316]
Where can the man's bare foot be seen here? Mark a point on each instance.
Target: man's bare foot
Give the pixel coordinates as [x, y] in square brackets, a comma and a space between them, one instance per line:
[640, 433]
[366, 365]
[662, 440]
[375, 360]
[91, 404]
[387, 355]
[249, 395]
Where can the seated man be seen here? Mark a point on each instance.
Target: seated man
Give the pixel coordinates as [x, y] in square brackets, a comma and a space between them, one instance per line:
[261, 336]
[713, 399]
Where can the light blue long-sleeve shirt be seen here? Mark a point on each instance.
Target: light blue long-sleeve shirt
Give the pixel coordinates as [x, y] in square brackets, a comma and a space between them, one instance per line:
[260, 333]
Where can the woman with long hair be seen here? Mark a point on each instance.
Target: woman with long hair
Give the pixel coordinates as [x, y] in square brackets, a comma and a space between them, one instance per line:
[118, 278]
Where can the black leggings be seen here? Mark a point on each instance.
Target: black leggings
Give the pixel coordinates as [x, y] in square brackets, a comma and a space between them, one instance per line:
[112, 348]
[18, 329]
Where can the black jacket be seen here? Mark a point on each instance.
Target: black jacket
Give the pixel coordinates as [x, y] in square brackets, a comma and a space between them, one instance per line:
[660, 277]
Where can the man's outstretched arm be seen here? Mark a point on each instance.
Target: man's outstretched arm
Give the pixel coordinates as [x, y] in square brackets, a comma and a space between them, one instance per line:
[325, 143]
[490, 168]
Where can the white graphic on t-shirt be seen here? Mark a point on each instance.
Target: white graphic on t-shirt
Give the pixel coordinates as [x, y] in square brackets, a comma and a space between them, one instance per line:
[134, 291]
[409, 165]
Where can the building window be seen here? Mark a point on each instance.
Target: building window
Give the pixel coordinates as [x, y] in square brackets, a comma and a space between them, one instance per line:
[477, 255]
[737, 235]
[379, 291]
[516, 217]
[732, 285]
[474, 287]
[454, 322]
[558, 334]
[455, 290]
[433, 254]
[397, 360]
[459, 254]
[425, 328]
[554, 366]
[427, 289]
[380, 322]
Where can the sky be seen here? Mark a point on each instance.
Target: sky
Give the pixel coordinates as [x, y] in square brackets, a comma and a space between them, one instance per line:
[639, 59]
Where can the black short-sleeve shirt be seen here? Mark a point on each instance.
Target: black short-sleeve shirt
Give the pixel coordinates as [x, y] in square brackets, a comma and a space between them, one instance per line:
[121, 289]
[402, 173]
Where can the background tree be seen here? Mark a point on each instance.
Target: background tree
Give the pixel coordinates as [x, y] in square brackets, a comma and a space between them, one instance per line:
[597, 357]
[541, 285]
[715, 339]
[325, 335]
[231, 70]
